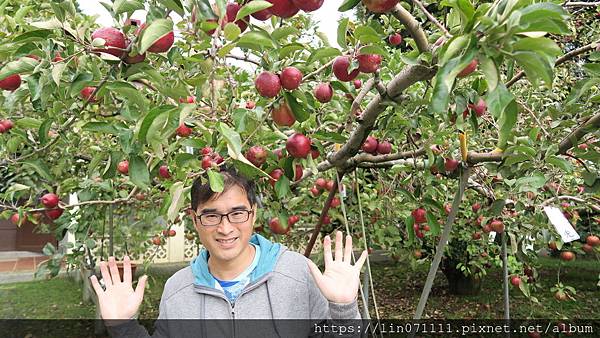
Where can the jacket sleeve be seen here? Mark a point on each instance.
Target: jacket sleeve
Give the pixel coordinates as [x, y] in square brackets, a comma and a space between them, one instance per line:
[345, 317]
[131, 328]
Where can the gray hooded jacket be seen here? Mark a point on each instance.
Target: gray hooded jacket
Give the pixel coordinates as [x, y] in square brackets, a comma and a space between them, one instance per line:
[282, 300]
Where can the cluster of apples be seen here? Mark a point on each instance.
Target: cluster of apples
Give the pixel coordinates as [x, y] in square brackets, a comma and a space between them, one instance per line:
[374, 147]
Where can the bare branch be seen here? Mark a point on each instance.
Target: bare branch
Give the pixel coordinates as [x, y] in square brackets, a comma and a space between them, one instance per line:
[581, 4]
[365, 157]
[320, 69]
[242, 58]
[572, 198]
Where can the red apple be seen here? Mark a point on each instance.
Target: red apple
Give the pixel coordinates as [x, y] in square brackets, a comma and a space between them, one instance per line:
[587, 248]
[87, 94]
[156, 240]
[163, 171]
[321, 183]
[278, 153]
[15, 219]
[133, 59]
[140, 196]
[370, 145]
[470, 68]
[314, 153]
[115, 42]
[257, 155]
[206, 150]
[552, 246]
[123, 167]
[515, 281]
[395, 39]
[231, 12]
[277, 228]
[497, 226]
[419, 215]
[262, 15]
[340, 69]
[369, 63]
[384, 147]
[335, 202]
[298, 172]
[582, 146]
[250, 104]
[267, 84]
[57, 57]
[315, 191]
[282, 115]
[11, 82]
[447, 208]
[183, 130]
[163, 44]
[329, 185]
[54, 213]
[567, 256]
[357, 84]
[49, 200]
[323, 92]
[308, 5]
[283, 8]
[275, 175]
[298, 146]
[326, 219]
[290, 78]
[207, 162]
[172, 233]
[475, 207]
[592, 240]
[450, 164]
[476, 235]
[293, 220]
[379, 6]
[479, 108]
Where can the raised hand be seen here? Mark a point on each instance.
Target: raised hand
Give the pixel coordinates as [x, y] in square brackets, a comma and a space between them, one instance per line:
[339, 283]
[119, 300]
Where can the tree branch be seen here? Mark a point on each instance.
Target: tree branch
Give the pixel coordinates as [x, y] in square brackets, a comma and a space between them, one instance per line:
[571, 198]
[431, 17]
[559, 61]
[413, 26]
[586, 127]
[242, 58]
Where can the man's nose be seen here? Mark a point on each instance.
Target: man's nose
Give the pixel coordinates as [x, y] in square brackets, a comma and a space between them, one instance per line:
[225, 227]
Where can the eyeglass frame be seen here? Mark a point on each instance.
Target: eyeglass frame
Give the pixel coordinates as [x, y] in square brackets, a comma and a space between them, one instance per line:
[198, 217]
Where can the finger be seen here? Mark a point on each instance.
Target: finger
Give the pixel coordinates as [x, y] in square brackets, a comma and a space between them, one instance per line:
[361, 260]
[114, 272]
[126, 270]
[105, 275]
[338, 246]
[141, 285]
[348, 249]
[96, 285]
[327, 251]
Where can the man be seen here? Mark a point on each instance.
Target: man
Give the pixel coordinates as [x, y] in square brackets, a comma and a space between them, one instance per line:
[237, 275]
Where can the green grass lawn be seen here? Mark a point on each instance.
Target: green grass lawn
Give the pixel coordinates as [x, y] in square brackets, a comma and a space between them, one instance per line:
[397, 291]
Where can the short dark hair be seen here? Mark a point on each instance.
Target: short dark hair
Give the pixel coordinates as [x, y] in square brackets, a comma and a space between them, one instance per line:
[201, 192]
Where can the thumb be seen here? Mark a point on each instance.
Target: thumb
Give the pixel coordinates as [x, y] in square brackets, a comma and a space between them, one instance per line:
[314, 270]
[139, 289]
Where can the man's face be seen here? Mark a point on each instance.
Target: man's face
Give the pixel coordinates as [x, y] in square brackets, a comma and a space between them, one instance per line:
[226, 241]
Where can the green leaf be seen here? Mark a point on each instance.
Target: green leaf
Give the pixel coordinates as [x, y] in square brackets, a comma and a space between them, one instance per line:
[28, 123]
[581, 88]
[373, 50]
[80, 81]
[282, 32]
[324, 52]
[177, 194]
[348, 5]
[454, 47]
[126, 6]
[366, 34]
[539, 45]
[560, 163]
[300, 111]
[252, 7]
[410, 221]
[341, 32]
[20, 66]
[433, 223]
[592, 69]
[231, 31]
[253, 39]
[232, 137]
[536, 67]
[543, 17]
[329, 137]
[216, 181]
[445, 77]
[496, 207]
[105, 127]
[532, 183]
[43, 131]
[154, 31]
[127, 92]
[282, 187]
[288, 49]
[41, 168]
[149, 119]
[502, 105]
[489, 69]
[57, 70]
[174, 5]
[138, 172]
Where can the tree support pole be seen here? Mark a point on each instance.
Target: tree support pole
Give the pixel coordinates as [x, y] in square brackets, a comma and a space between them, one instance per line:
[505, 273]
[442, 243]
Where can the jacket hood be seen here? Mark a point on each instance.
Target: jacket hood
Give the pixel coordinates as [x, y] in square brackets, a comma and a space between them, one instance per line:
[269, 253]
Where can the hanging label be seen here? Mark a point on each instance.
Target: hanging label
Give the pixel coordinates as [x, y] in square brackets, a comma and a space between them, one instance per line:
[561, 224]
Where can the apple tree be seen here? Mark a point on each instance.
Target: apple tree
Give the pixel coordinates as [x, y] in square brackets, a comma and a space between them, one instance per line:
[425, 125]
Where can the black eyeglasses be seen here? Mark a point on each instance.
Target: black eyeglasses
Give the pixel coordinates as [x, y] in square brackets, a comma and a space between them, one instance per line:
[235, 217]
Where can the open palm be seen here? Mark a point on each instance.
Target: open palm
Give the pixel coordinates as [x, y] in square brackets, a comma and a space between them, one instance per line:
[119, 300]
[339, 283]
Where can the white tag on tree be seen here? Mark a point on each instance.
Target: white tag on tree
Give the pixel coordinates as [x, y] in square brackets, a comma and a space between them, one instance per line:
[561, 224]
